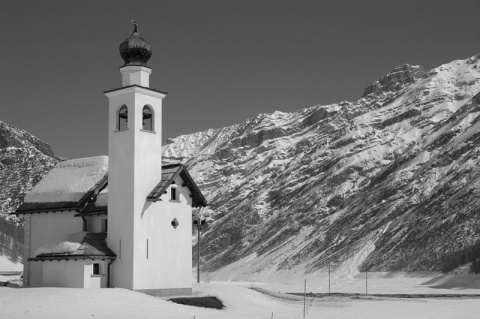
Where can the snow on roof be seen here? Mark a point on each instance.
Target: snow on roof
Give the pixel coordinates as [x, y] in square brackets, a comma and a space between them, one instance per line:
[68, 181]
[64, 245]
[80, 245]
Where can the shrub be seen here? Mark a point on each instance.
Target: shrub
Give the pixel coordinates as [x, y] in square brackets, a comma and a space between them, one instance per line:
[205, 302]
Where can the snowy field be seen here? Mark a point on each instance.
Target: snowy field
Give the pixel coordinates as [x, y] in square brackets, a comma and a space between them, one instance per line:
[243, 302]
[7, 265]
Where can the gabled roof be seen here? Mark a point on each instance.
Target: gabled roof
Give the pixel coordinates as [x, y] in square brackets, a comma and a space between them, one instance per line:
[92, 246]
[84, 203]
[93, 200]
[69, 186]
[69, 181]
[169, 173]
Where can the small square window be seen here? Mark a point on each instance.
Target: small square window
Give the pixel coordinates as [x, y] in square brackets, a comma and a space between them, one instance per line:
[96, 269]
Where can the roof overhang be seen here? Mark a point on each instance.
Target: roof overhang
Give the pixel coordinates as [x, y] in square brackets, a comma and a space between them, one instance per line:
[32, 208]
[74, 258]
[135, 89]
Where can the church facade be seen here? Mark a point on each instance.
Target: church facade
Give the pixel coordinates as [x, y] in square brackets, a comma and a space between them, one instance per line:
[119, 221]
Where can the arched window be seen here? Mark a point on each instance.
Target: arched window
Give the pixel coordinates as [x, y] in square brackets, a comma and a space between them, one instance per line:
[122, 124]
[147, 118]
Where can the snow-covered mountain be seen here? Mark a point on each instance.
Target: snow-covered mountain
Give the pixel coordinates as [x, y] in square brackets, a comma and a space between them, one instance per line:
[24, 160]
[391, 180]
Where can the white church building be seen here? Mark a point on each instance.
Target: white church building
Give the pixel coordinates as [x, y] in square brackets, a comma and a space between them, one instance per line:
[121, 220]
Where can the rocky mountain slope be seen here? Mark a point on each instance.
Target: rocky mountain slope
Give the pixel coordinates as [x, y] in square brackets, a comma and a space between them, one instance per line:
[24, 160]
[390, 181]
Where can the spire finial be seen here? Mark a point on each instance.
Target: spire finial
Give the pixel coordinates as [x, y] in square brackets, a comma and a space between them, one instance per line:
[135, 50]
[134, 20]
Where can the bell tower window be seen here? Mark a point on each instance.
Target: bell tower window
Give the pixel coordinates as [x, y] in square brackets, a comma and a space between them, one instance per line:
[122, 124]
[147, 118]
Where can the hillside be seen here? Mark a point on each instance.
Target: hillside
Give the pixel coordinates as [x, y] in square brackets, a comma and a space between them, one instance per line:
[24, 160]
[391, 180]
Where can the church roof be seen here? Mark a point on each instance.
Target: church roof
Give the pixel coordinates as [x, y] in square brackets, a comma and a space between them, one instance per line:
[82, 185]
[85, 201]
[69, 181]
[169, 172]
[75, 246]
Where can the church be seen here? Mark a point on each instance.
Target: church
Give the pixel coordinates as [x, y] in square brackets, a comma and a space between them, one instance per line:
[121, 220]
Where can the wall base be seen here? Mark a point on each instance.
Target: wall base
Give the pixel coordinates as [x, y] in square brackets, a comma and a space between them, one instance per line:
[166, 292]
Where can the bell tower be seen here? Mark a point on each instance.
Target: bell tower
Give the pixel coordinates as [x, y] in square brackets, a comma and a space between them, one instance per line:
[135, 165]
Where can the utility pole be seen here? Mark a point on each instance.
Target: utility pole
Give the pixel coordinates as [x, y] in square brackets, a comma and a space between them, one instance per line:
[329, 277]
[198, 254]
[366, 280]
[304, 297]
[199, 224]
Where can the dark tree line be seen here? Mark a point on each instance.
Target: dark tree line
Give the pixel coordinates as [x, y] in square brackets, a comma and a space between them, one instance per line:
[468, 254]
[475, 266]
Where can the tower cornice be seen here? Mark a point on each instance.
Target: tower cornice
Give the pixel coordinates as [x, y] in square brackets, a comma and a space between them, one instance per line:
[135, 89]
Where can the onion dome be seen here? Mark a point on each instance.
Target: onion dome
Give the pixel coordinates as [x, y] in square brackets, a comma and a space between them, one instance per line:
[135, 50]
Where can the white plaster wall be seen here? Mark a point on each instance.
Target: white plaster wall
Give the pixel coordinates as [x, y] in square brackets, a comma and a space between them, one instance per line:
[44, 228]
[138, 75]
[169, 263]
[94, 223]
[134, 170]
[63, 273]
[94, 281]
[120, 198]
[73, 274]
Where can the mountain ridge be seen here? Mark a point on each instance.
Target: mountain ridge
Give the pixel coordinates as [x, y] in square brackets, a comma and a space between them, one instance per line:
[344, 177]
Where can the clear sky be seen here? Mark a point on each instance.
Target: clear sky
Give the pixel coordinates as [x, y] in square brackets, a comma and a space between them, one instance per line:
[221, 61]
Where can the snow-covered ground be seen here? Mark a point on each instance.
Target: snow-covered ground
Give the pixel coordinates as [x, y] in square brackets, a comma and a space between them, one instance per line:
[243, 302]
[7, 265]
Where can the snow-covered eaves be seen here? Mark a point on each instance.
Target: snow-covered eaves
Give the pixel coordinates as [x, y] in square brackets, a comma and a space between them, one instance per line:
[92, 210]
[78, 246]
[30, 208]
[169, 173]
